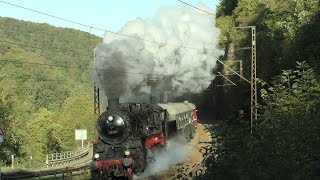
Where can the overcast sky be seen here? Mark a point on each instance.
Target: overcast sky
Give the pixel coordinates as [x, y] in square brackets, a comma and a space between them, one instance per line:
[104, 14]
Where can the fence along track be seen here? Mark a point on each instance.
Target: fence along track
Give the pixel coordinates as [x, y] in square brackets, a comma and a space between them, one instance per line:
[55, 159]
[83, 169]
[65, 157]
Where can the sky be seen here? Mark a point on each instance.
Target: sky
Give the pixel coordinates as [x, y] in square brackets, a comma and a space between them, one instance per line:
[103, 14]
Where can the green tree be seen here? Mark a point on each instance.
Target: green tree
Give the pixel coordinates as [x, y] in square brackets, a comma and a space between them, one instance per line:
[44, 104]
[8, 147]
[284, 143]
[226, 7]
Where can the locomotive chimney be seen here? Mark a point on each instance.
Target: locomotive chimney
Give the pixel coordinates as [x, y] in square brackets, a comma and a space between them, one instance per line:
[113, 103]
[152, 82]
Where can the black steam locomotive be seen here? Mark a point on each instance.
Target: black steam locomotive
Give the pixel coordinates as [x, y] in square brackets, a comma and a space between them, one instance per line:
[127, 131]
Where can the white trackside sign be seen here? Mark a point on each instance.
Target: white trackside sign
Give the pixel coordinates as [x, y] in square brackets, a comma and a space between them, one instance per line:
[81, 134]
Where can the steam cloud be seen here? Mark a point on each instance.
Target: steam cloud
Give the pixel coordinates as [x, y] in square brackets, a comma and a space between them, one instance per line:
[175, 153]
[127, 60]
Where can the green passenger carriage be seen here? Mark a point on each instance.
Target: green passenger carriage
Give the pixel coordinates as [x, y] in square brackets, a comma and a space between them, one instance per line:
[181, 119]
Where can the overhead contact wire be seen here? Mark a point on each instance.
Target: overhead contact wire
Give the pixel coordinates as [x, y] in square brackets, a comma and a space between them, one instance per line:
[92, 27]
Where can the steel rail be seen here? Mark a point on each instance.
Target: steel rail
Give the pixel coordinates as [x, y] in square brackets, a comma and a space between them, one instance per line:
[65, 171]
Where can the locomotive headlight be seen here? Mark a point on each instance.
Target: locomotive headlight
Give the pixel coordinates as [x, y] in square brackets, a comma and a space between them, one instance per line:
[119, 122]
[110, 118]
[96, 156]
[127, 152]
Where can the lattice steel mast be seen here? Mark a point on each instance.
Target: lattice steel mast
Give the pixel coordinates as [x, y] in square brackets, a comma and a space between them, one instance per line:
[254, 101]
[96, 93]
[253, 82]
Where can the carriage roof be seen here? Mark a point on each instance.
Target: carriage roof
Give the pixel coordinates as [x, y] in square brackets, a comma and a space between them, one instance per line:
[174, 109]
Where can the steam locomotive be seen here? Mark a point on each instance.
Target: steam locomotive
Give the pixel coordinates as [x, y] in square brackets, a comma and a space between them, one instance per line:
[127, 131]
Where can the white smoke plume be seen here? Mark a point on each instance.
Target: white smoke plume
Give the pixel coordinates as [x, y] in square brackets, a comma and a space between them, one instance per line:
[175, 153]
[128, 60]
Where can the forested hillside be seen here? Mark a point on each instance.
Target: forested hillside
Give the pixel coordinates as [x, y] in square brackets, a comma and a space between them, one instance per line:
[287, 31]
[284, 143]
[46, 90]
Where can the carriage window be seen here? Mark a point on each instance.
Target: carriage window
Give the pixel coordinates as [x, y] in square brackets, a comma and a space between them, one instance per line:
[162, 115]
[179, 122]
[186, 119]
